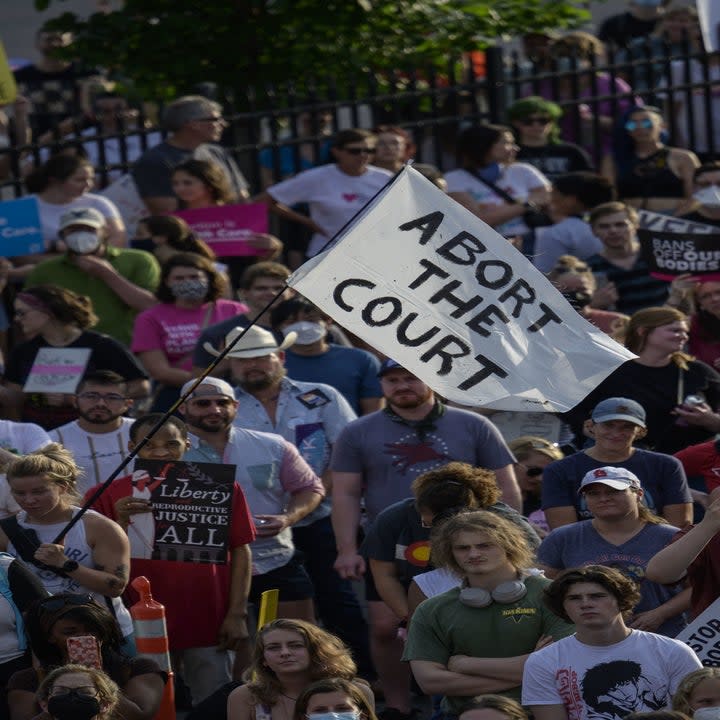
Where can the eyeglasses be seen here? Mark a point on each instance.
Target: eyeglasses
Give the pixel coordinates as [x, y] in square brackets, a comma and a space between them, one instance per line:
[645, 124]
[359, 151]
[217, 119]
[536, 121]
[54, 603]
[109, 398]
[83, 691]
[222, 402]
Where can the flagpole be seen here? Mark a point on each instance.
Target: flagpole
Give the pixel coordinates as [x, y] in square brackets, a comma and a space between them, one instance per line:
[223, 354]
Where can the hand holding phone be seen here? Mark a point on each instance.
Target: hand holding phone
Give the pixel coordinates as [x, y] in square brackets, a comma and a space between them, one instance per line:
[84, 650]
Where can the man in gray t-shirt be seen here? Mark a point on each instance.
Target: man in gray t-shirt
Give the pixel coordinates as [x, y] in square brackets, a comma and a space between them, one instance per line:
[195, 125]
[378, 456]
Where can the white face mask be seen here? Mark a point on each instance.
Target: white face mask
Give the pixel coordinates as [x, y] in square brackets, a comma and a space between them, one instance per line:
[708, 196]
[707, 713]
[82, 242]
[307, 332]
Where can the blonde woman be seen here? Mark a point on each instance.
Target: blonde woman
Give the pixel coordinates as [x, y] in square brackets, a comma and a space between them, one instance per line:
[77, 692]
[680, 394]
[699, 689]
[94, 556]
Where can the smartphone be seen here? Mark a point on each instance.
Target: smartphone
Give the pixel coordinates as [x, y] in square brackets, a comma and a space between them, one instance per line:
[84, 650]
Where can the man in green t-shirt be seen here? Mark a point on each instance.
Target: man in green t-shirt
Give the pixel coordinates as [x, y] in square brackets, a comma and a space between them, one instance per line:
[475, 639]
[119, 282]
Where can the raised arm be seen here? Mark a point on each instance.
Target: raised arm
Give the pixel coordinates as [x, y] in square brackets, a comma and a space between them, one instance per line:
[671, 563]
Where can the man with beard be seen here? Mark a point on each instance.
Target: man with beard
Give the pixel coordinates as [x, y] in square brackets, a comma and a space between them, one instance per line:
[279, 485]
[98, 439]
[378, 456]
[311, 416]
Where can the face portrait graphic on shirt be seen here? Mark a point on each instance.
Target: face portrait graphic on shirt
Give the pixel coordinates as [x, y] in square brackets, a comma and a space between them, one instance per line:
[612, 690]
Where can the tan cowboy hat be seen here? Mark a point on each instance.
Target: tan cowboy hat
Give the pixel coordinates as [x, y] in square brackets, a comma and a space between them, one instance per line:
[256, 342]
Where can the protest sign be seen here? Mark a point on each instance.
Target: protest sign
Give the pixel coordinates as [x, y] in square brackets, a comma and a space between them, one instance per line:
[226, 228]
[667, 223]
[124, 193]
[669, 254]
[516, 424]
[20, 232]
[8, 88]
[703, 635]
[191, 511]
[57, 370]
[427, 283]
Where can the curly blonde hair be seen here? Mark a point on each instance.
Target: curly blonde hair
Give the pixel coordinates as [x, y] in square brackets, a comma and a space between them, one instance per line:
[328, 658]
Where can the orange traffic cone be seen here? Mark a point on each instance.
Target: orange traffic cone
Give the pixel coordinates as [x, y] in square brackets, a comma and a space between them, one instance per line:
[152, 641]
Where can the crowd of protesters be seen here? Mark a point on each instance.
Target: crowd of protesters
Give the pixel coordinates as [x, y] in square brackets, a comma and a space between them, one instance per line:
[416, 548]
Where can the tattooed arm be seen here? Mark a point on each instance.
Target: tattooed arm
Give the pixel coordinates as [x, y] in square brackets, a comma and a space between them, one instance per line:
[110, 557]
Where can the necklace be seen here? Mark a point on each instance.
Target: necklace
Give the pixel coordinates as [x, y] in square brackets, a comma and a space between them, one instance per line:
[294, 699]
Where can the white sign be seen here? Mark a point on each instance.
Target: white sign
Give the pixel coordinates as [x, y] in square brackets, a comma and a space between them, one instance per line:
[667, 223]
[427, 283]
[124, 193]
[57, 370]
[516, 424]
[703, 635]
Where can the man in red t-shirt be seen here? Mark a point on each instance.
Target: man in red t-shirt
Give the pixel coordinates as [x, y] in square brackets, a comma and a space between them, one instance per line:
[205, 604]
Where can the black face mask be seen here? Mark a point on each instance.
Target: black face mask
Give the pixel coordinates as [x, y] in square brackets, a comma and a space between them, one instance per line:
[73, 706]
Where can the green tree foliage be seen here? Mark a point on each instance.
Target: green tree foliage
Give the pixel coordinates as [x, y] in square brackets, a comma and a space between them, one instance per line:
[167, 46]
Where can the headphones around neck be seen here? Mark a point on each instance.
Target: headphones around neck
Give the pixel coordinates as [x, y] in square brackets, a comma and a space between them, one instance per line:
[505, 593]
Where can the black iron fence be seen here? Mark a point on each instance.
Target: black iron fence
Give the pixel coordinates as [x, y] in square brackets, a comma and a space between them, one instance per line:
[266, 135]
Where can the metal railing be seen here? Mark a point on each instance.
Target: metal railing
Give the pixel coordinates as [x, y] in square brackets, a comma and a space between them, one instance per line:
[433, 106]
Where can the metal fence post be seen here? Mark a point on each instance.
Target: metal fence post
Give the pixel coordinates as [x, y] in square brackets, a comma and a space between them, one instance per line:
[496, 83]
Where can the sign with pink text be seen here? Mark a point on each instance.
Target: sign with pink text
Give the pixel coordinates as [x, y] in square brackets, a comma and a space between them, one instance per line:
[227, 229]
[57, 370]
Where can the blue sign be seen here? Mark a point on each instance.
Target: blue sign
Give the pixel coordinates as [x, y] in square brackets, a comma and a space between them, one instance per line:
[20, 232]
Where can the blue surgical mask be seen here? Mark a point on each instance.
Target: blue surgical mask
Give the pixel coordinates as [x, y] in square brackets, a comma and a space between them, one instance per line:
[490, 172]
[346, 715]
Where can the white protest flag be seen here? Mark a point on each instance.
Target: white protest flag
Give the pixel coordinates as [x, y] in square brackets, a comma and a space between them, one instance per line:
[427, 283]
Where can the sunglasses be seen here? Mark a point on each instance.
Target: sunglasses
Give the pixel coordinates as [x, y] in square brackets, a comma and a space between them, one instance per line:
[360, 151]
[536, 121]
[54, 603]
[533, 471]
[645, 124]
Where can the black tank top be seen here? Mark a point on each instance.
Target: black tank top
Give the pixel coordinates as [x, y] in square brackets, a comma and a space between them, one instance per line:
[650, 177]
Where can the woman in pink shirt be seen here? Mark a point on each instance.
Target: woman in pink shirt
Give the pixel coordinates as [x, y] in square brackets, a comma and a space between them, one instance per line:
[165, 335]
